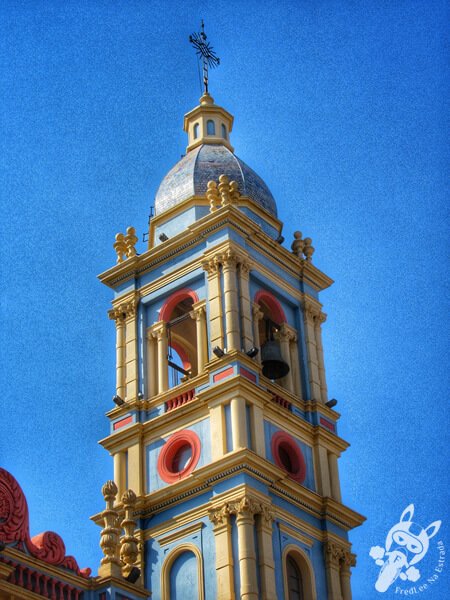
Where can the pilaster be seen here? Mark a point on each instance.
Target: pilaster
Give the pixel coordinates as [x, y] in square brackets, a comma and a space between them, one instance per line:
[220, 518]
[245, 305]
[212, 267]
[310, 311]
[229, 265]
[199, 315]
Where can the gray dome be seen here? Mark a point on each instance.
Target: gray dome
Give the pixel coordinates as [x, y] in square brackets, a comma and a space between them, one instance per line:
[190, 176]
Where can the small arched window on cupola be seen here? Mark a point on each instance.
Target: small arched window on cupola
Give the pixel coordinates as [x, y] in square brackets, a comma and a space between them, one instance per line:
[224, 132]
[196, 127]
[210, 127]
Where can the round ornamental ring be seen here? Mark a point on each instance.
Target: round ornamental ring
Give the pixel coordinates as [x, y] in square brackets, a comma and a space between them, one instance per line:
[288, 456]
[179, 456]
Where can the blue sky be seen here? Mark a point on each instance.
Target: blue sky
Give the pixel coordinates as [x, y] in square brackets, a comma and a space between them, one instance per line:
[341, 108]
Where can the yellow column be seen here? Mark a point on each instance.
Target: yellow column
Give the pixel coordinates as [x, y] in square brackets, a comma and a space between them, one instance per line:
[238, 423]
[283, 337]
[347, 561]
[257, 429]
[334, 476]
[224, 554]
[295, 365]
[310, 312]
[135, 469]
[257, 315]
[199, 314]
[212, 267]
[318, 335]
[131, 350]
[321, 459]
[152, 368]
[333, 554]
[266, 561]
[245, 509]
[218, 432]
[118, 316]
[246, 309]
[230, 301]
[160, 331]
[120, 472]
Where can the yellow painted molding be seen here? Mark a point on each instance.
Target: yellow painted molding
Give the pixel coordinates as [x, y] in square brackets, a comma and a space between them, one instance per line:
[230, 216]
[180, 534]
[297, 535]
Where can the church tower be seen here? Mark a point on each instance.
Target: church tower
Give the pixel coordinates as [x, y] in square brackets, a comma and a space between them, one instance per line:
[223, 427]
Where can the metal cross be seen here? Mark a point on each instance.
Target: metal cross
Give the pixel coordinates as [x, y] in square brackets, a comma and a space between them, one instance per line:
[205, 53]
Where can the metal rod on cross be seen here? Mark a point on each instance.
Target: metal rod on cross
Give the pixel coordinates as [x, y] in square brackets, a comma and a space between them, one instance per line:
[205, 53]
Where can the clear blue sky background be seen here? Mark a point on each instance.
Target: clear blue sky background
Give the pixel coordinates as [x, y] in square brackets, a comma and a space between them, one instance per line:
[340, 106]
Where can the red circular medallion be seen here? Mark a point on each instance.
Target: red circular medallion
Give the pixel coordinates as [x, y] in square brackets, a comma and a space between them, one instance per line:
[288, 456]
[179, 456]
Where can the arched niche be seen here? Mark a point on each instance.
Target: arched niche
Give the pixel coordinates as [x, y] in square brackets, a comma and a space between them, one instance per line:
[181, 577]
[302, 563]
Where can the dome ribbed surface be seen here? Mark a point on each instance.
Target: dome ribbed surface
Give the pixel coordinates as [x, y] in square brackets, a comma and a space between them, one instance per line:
[190, 176]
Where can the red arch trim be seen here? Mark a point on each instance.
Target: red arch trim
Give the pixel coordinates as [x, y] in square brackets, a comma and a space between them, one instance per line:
[277, 312]
[169, 305]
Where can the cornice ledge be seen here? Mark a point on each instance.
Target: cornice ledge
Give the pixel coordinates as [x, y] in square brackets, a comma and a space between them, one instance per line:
[341, 514]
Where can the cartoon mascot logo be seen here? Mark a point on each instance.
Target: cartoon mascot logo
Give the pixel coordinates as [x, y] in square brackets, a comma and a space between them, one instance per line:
[406, 544]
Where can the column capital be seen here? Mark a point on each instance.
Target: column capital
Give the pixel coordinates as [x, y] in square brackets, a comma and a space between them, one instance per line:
[257, 312]
[245, 505]
[124, 310]
[211, 265]
[115, 314]
[286, 332]
[158, 330]
[198, 313]
[348, 560]
[311, 309]
[230, 259]
[219, 516]
[245, 266]
[334, 553]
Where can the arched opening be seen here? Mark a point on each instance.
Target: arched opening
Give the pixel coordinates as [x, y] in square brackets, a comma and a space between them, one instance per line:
[294, 580]
[299, 583]
[273, 315]
[224, 132]
[182, 336]
[196, 128]
[182, 574]
[210, 127]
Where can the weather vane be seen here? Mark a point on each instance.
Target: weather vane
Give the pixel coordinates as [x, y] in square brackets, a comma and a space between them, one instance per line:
[205, 53]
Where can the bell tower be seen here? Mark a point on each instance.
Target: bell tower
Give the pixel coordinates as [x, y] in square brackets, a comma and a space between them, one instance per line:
[222, 426]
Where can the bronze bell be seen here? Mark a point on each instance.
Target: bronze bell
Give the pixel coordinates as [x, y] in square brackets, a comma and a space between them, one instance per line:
[273, 365]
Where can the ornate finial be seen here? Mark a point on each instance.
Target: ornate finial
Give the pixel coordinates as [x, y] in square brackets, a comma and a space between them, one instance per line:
[110, 565]
[308, 249]
[212, 195]
[120, 247]
[234, 192]
[130, 242]
[128, 542]
[205, 53]
[224, 190]
[298, 244]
